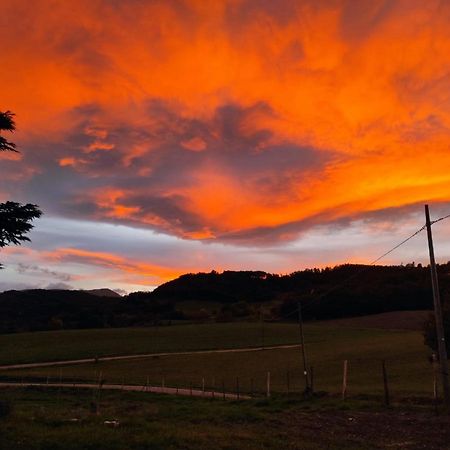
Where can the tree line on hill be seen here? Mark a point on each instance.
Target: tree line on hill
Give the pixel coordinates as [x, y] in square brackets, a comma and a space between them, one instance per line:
[40, 309]
[342, 291]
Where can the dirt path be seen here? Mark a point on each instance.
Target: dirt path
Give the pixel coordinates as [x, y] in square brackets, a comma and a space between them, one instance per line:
[145, 355]
[135, 388]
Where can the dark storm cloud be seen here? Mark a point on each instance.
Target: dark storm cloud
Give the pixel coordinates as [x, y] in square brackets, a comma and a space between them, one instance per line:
[143, 175]
[154, 166]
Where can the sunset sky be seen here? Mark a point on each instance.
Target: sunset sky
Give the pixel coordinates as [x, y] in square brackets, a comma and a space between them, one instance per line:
[168, 136]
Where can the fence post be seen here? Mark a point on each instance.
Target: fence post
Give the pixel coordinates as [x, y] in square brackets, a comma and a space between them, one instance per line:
[237, 387]
[385, 384]
[288, 382]
[344, 380]
[268, 385]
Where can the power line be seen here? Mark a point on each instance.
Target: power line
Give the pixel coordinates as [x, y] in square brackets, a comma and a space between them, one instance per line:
[355, 275]
[438, 220]
[398, 245]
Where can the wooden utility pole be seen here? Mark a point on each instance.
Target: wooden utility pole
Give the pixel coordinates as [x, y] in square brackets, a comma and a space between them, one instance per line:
[438, 315]
[302, 343]
[262, 329]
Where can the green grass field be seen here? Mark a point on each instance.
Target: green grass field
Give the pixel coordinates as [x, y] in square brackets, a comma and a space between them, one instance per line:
[327, 347]
[74, 344]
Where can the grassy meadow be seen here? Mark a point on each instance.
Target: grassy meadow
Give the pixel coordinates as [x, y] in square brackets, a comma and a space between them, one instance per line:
[328, 345]
[74, 344]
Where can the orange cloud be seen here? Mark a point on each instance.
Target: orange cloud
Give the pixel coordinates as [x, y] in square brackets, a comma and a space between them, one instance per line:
[143, 273]
[186, 116]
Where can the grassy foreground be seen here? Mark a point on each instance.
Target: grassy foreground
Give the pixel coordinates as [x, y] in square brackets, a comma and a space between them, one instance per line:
[52, 420]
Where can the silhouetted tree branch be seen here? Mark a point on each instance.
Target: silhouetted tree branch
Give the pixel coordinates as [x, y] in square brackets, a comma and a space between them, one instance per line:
[15, 219]
[15, 222]
[7, 124]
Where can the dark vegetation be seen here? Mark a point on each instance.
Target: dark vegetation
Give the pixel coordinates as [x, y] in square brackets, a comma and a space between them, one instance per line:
[39, 309]
[15, 219]
[343, 291]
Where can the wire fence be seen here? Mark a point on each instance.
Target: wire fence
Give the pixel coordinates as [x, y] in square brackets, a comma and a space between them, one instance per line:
[402, 380]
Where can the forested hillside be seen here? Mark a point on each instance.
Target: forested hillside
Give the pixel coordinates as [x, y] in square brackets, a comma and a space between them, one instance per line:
[342, 291]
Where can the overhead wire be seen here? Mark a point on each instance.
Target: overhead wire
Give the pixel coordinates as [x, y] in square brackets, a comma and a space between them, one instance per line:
[364, 269]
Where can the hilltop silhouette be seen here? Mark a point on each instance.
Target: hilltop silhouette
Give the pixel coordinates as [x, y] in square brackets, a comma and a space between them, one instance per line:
[342, 291]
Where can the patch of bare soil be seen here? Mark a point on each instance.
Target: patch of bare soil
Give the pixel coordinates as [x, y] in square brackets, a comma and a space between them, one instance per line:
[368, 430]
[395, 320]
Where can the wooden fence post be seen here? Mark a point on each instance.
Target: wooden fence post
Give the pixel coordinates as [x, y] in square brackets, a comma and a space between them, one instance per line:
[288, 382]
[387, 400]
[344, 380]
